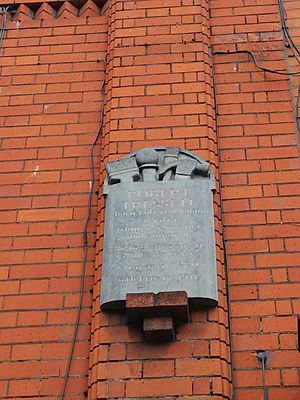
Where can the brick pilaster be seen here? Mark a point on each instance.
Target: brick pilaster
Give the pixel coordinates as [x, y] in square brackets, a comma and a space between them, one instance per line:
[159, 91]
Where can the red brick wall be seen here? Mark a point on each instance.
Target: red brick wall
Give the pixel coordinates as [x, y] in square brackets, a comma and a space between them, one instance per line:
[159, 91]
[51, 76]
[260, 179]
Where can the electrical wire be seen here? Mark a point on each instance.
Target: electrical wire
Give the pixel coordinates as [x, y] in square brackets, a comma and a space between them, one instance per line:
[3, 12]
[266, 393]
[285, 28]
[263, 357]
[85, 244]
[264, 69]
[291, 44]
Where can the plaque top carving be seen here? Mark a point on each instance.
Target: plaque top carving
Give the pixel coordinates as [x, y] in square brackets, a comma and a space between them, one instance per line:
[159, 227]
[158, 164]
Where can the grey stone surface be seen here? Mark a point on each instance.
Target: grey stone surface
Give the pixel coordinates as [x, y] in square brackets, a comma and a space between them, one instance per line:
[159, 234]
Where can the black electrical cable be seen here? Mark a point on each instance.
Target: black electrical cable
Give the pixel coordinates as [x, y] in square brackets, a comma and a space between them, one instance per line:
[291, 44]
[285, 28]
[85, 244]
[266, 392]
[288, 39]
[264, 69]
[262, 357]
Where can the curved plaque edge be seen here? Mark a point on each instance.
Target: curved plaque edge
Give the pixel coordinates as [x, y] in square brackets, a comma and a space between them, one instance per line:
[194, 302]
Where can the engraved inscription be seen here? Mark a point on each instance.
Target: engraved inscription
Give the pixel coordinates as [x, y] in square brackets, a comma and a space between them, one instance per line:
[144, 200]
[159, 233]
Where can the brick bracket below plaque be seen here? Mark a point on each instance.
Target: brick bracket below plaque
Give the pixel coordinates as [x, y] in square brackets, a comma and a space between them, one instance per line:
[159, 314]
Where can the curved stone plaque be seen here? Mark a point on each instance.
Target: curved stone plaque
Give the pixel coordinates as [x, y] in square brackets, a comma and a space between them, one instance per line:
[159, 227]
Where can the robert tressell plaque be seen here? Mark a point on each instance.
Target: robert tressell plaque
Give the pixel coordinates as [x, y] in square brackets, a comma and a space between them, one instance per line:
[159, 227]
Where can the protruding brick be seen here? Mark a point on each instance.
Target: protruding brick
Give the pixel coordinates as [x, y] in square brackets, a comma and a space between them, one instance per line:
[23, 13]
[174, 304]
[172, 299]
[89, 9]
[138, 305]
[138, 300]
[45, 11]
[158, 329]
[67, 10]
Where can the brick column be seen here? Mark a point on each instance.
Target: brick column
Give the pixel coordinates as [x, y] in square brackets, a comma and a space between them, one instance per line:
[159, 91]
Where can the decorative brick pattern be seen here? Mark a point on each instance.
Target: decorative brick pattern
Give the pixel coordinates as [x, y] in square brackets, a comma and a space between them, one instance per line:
[50, 9]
